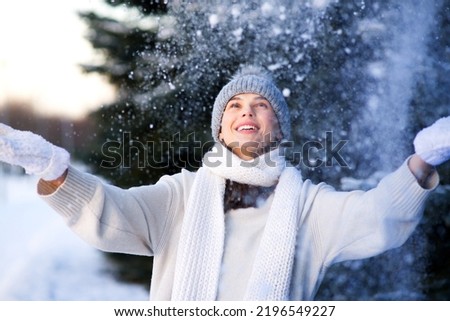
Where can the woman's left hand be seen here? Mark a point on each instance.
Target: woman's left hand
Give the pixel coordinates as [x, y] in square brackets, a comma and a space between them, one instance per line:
[432, 143]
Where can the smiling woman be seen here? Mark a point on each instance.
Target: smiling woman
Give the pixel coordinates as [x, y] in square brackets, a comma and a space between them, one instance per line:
[42, 47]
[249, 118]
[250, 109]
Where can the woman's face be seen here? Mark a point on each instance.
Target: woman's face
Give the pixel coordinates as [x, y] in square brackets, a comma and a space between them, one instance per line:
[249, 126]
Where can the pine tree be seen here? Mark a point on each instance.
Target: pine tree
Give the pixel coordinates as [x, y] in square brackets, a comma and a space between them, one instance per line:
[129, 49]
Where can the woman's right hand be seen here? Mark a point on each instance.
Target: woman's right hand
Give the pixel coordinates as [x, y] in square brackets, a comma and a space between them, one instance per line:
[32, 152]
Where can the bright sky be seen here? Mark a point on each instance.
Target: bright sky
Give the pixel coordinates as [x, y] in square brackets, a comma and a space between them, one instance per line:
[41, 44]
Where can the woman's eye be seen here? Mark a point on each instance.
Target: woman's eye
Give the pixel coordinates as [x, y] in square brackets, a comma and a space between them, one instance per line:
[262, 105]
[234, 106]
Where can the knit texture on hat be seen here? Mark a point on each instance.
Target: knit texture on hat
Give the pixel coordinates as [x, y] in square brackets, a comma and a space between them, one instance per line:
[255, 80]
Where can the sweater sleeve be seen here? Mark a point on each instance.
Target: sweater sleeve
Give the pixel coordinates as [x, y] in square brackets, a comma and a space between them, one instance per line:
[117, 220]
[358, 224]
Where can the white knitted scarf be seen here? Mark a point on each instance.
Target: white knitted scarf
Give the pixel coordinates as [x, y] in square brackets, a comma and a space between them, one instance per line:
[201, 243]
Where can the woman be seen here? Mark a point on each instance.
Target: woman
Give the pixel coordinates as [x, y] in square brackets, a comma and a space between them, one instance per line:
[245, 226]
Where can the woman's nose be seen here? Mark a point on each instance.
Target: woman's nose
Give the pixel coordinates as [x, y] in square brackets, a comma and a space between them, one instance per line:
[247, 111]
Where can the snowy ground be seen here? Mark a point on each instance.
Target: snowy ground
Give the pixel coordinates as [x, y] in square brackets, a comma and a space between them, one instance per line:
[40, 258]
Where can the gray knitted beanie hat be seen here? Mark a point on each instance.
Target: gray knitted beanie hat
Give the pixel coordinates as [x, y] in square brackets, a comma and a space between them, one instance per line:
[255, 80]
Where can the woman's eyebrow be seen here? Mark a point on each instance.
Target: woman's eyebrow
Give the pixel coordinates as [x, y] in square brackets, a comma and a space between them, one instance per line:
[256, 98]
[261, 98]
[235, 98]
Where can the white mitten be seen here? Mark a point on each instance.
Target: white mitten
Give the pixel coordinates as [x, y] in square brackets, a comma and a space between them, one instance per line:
[33, 153]
[432, 143]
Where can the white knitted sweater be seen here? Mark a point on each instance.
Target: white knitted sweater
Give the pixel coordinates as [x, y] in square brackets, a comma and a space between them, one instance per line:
[147, 220]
